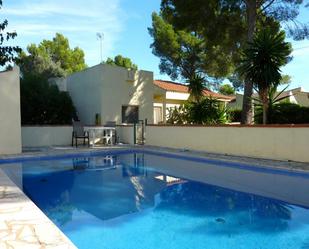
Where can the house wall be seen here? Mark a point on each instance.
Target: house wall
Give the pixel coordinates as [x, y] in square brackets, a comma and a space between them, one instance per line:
[86, 90]
[10, 123]
[237, 104]
[125, 134]
[302, 98]
[280, 143]
[36, 136]
[118, 91]
[104, 89]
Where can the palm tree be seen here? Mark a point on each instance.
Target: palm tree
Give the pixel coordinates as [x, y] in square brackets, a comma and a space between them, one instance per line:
[196, 87]
[262, 60]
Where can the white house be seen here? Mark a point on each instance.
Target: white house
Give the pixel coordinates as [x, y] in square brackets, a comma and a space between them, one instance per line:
[170, 94]
[114, 93]
[296, 96]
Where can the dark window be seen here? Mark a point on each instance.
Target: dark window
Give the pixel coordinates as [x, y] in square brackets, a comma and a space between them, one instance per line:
[129, 114]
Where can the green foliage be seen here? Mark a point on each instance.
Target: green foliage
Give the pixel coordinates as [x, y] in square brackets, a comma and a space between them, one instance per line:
[205, 112]
[52, 58]
[284, 113]
[185, 53]
[261, 63]
[7, 53]
[177, 115]
[208, 111]
[42, 103]
[227, 89]
[264, 57]
[234, 115]
[37, 64]
[196, 87]
[229, 24]
[121, 61]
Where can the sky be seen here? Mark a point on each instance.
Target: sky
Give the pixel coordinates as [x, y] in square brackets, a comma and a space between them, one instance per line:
[124, 24]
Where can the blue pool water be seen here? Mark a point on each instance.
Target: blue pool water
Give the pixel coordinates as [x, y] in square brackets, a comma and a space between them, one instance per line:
[124, 201]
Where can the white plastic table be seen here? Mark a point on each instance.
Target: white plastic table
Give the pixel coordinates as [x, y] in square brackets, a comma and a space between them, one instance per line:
[103, 132]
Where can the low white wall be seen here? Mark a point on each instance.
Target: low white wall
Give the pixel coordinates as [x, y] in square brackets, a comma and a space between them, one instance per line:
[10, 137]
[35, 136]
[279, 143]
[125, 134]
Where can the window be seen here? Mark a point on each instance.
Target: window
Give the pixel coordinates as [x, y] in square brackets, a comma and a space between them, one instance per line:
[157, 113]
[129, 114]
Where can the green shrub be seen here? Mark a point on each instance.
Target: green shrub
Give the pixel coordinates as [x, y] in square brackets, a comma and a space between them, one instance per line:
[177, 115]
[234, 115]
[284, 113]
[207, 112]
[42, 103]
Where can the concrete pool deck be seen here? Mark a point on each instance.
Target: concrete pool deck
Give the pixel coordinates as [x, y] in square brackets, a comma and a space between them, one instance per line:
[24, 225]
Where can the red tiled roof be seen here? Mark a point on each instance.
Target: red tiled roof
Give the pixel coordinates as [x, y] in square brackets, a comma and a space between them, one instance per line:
[178, 87]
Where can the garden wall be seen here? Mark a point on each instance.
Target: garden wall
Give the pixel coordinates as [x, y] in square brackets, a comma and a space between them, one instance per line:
[272, 142]
[125, 134]
[36, 136]
[10, 138]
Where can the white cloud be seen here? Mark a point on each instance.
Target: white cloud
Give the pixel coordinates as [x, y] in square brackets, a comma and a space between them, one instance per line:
[301, 52]
[79, 20]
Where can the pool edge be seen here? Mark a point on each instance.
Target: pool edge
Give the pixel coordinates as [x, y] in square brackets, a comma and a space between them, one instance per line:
[23, 223]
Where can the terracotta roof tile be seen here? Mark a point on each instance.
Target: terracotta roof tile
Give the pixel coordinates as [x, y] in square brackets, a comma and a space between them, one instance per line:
[178, 87]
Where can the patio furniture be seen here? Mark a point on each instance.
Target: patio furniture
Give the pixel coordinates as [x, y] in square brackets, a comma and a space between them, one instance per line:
[106, 134]
[79, 133]
[114, 135]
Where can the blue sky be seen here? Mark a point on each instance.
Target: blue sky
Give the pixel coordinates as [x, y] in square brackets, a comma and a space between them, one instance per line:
[124, 24]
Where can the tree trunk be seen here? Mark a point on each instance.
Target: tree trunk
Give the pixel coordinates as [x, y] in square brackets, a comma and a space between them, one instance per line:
[246, 115]
[264, 98]
[265, 110]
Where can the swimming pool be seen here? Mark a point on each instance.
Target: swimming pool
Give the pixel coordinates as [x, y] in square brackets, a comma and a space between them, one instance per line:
[153, 200]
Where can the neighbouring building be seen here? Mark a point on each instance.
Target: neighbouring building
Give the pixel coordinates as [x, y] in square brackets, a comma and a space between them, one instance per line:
[125, 96]
[171, 94]
[111, 93]
[10, 125]
[296, 96]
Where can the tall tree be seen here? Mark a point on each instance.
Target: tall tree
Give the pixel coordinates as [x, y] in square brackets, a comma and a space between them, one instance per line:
[240, 16]
[262, 61]
[185, 55]
[52, 58]
[42, 65]
[121, 61]
[7, 53]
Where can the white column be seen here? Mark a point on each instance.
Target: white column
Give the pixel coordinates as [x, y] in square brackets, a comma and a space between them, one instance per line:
[164, 110]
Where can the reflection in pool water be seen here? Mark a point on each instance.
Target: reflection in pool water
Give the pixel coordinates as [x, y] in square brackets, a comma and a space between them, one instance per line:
[123, 201]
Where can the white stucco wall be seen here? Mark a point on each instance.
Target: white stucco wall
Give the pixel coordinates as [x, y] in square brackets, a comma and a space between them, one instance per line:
[10, 124]
[36, 136]
[125, 133]
[104, 89]
[86, 90]
[280, 143]
[118, 91]
[177, 95]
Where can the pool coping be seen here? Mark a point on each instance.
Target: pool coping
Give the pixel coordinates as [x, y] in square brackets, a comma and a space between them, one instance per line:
[23, 224]
[249, 163]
